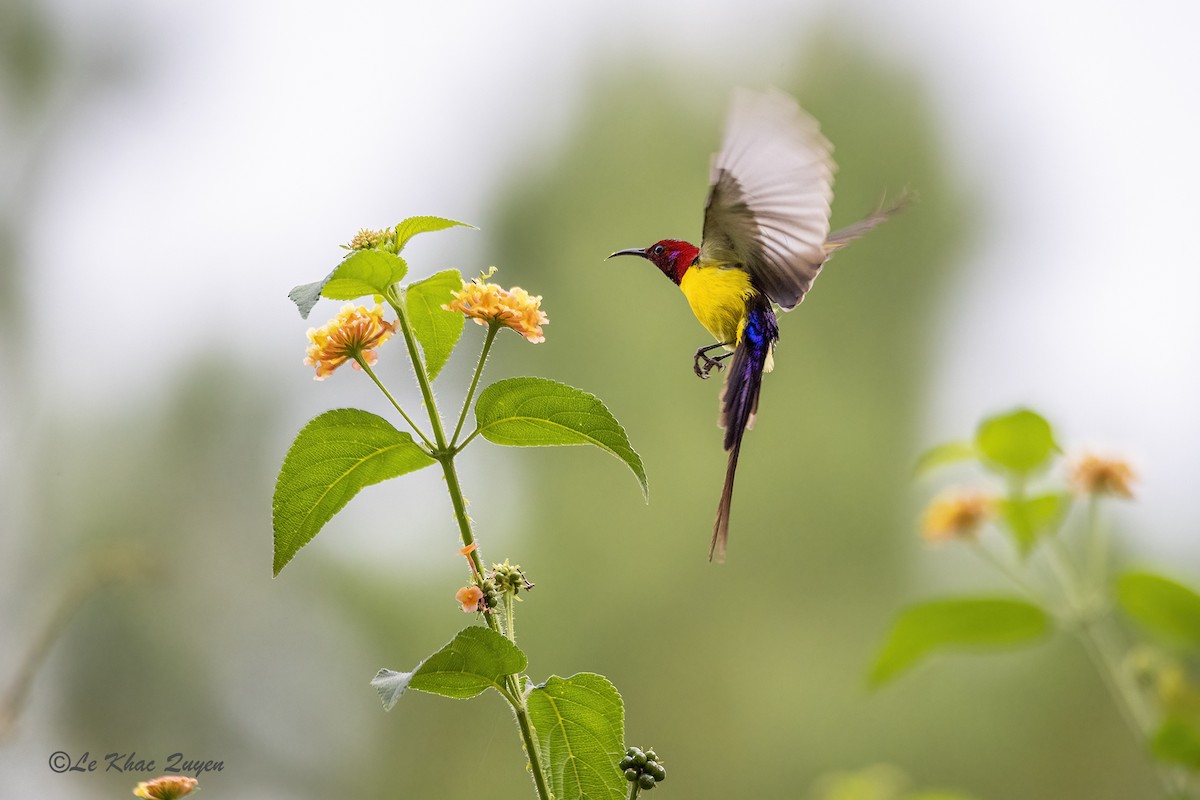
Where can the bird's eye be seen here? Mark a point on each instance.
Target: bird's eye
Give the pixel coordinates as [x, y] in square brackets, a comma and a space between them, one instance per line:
[658, 250]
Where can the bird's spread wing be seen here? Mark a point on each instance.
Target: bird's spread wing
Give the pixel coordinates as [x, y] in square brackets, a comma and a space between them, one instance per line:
[768, 206]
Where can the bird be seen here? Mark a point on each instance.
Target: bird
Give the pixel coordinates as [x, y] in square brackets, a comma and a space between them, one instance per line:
[764, 240]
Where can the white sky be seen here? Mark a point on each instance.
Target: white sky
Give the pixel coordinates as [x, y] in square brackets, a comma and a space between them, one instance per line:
[255, 135]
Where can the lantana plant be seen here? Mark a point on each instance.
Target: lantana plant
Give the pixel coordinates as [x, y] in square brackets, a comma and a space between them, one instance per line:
[1036, 515]
[572, 728]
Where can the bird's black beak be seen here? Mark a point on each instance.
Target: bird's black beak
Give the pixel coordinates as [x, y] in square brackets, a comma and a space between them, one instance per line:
[633, 251]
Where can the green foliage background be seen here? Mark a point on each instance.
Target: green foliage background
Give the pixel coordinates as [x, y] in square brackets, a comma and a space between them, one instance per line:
[748, 678]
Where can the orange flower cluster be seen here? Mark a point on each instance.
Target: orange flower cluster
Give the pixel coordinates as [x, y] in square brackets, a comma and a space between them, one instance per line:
[353, 333]
[168, 787]
[957, 515]
[1095, 475]
[514, 308]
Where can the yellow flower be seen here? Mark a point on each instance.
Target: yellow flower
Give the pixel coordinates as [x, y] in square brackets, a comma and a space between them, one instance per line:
[514, 308]
[470, 597]
[353, 333]
[168, 787]
[367, 239]
[1095, 475]
[957, 515]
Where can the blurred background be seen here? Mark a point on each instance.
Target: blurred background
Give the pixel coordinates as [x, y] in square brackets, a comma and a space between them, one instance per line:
[169, 171]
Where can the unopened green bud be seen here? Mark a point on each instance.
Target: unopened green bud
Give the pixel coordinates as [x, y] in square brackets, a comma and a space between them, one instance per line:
[631, 774]
[646, 781]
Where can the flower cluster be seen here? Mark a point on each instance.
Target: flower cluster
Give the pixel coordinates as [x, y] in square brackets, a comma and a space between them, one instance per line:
[488, 303]
[168, 787]
[1094, 475]
[367, 239]
[510, 578]
[957, 515]
[353, 334]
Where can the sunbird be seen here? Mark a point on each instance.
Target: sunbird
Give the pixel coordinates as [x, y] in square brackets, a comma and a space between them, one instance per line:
[765, 238]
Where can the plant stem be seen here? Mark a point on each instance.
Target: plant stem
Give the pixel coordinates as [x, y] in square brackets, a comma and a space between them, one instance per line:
[1005, 569]
[1105, 656]
[510, 625]
[634, 789]
[493, 327]
[539, 780]
[1097, 547]
[466, 441]
[367, 369]
[445, 456]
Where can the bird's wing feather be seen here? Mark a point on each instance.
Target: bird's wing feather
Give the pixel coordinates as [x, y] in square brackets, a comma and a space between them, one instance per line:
[768, 206]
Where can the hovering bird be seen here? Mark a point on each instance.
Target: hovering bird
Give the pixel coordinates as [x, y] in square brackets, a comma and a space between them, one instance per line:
[765, 238]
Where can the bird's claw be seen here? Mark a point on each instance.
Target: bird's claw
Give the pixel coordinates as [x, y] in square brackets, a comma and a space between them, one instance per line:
[703, 370]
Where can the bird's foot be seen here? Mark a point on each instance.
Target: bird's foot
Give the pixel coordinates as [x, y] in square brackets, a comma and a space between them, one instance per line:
[703, 365]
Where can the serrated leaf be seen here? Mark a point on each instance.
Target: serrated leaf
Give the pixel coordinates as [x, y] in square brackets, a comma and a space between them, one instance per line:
[943, 454]
[1177, 742]
[332, 458]
[437, 329]
[1021, 441]
[362, 273]
[537, 412]
[964, 623]
[414, 225]
[475, 659]
[1165, 606]
[580, 724]
[1029, 519]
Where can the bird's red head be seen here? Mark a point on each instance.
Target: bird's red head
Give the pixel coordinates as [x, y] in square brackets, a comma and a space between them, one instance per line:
[671, 256]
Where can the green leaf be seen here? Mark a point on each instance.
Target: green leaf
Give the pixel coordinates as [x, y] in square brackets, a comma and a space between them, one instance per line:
[580, 724]
[1162, 605]
[1021, 441]
[414, 225]
[1031, 518]
[332, 458]
[536, 412]
[1177, 742]
[965, 623]
[473, 660]
[943, 454]
[437, 329]
[362, 273]
[365, 272]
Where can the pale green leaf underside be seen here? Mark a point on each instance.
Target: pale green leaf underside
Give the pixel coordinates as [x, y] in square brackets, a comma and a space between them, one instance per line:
[968, 623]
[580, 724]
[414, 225]
[537, 412]
[475, 659]
[332, 458]
[437, 329]
[1165, 606]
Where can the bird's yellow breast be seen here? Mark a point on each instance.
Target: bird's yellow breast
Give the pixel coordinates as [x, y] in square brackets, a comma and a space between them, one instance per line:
[718, 299]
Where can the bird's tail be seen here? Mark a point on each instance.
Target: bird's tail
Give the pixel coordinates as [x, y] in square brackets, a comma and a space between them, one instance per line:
[739, 402]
